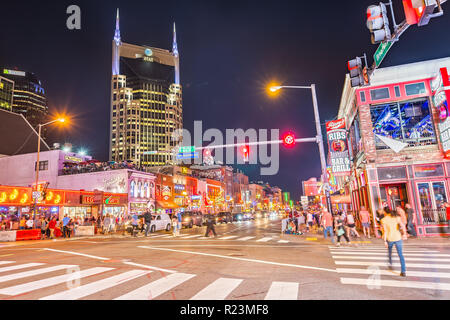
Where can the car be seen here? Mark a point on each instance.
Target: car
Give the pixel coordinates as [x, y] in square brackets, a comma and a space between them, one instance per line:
[238, 217]
[249, 216]
[189, 219]
[160, 222]
[224, 217]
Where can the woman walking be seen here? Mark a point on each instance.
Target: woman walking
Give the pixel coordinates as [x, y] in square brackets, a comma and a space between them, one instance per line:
[392, 224]
[351, 225]
[340, 229]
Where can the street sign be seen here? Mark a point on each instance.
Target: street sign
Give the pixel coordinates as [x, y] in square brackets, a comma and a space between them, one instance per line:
[190, 155]
[151, 152]
[381, 52]
[189, 149]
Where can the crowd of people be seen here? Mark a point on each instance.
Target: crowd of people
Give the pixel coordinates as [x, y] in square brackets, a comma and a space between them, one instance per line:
[95, 166]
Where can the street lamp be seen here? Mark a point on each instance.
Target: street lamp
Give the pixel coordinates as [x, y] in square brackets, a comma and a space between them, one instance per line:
[61, 120]
[319, 138]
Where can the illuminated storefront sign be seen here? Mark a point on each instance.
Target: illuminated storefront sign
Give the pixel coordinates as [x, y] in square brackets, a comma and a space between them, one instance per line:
[74, 159]
[14, 72]
[338, 147]
[166, 193]
[16, 196]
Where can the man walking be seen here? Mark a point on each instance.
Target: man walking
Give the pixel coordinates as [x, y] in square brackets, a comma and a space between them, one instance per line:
[365, 221]
[52, 226]
[65, 221]
[210, 226]
[148, 222]
[327, 224]
[392, 224]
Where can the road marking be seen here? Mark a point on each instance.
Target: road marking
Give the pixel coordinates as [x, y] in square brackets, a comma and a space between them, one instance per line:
[229, 237]
[379, 250]
[241, 259]
[245, 238]
[97, 286]
[148, 267]
[44, 283]
[156, 288]
[77, 254]
[383, 264]
[401, 284]
[282, 291]
[393, 256]
[6, 262]
[424, 274]
[20, 266]
[393, 252]
[264, 239]
[6, 255]
[158, 236]
[218, 290]
[193, 236]
[283, 241]
[31, 273]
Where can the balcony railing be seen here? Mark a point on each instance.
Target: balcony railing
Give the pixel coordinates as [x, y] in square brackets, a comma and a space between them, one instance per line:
[434, 216]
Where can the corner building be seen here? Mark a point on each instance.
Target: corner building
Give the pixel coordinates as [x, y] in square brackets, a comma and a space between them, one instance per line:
[398, 141]
[146, 103]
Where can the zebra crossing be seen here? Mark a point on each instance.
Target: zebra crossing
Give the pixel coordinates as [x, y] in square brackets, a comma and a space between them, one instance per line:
[368, 266]
[27, 281]
[223, 237]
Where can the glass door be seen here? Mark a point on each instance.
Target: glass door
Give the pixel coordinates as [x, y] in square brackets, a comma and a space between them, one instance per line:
[432, 197]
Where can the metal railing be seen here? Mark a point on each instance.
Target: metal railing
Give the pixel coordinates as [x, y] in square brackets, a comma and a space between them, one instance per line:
[434, 216]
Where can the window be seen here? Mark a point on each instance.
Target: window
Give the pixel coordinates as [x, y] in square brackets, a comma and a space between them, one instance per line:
[43, 165]
[379, 94]
[355, 137]
[362, 95]
[415, 88]
[409, 122]
[391, 173]
[397, 91]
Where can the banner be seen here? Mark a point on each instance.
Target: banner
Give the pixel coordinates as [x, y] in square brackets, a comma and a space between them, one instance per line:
[338, 147]
[440, 87]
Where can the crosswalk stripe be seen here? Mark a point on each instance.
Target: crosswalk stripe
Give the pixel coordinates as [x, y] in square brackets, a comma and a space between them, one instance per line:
[31, 273]
[393, 251]
[193, 236]
[159, 236]
[6, 262]
[424, 274]
[245, 238]
[380, 250]
[97, 286]
[218, 290]
[393, 256]
[397, 283]
[282, 291]
[20, 266]
[229, 237]
[383, 264]
[39, 284]
[283, 241]
[156, 288]
[264, 239]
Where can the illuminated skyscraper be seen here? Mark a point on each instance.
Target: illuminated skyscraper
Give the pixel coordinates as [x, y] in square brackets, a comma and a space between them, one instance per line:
[6, 93]
[146, 102]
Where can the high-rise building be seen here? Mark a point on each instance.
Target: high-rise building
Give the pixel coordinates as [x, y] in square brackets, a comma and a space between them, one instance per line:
[6, 93]
[146, 102]
[28, 96]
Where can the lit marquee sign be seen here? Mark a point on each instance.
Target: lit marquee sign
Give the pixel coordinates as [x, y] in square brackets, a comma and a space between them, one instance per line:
[148, 55]
[338, 147]
[14, 72]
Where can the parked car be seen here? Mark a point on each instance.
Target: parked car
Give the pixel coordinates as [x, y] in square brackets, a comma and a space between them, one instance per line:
[189, 219]
[160, 222]
[224, 217]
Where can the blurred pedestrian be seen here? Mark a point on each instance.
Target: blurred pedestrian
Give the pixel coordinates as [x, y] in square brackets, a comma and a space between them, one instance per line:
[365, 221]
[340, 229]
[210, 226]
[410, 220]
[65, 222]
[52, 227]
[351, 225]
[148, 222]
[327, 224]
[392, 236]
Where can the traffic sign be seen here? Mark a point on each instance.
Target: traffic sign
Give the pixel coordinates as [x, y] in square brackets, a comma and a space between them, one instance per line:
[190, 155]
[381, 52]
[189, 149]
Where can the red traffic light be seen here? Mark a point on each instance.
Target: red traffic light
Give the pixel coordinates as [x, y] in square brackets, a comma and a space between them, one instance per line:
[288, 140]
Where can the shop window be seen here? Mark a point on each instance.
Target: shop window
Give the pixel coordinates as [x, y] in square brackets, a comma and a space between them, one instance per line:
[409, 122]
[432, 197]
[415, 89]
[379, 94]
[391, 173]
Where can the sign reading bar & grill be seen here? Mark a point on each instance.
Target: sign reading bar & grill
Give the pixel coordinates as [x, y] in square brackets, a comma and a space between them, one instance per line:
[338, 147]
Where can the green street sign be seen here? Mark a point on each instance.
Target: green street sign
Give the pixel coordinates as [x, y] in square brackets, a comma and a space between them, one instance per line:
[381, 52]
[189, 149]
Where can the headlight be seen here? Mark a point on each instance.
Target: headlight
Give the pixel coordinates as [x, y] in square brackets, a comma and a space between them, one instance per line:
[186, 219]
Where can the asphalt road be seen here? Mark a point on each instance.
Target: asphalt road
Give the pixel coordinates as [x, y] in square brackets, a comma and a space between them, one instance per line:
[247, 261]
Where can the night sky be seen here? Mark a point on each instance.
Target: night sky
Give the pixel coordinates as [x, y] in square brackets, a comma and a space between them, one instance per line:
[229, 51]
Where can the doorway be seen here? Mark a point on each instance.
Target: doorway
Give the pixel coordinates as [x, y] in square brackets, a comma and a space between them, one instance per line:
[393, 195]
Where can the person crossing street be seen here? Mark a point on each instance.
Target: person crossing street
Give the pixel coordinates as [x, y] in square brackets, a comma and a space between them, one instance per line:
[210, 222]
[148, 222]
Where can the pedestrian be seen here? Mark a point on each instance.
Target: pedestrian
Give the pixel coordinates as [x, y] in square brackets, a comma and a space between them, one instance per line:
[327, 224]
[402, 214]
[284, 224]
[340, 229]
[148, 222]
[29, 223]
[179, 222]
[44, 226]
[351, 225]
[106, 224]
[410, 220]
[65, 222]
[22, 223]
[210, 222]
[134, 224]
[52, 227]
[70, 227]
[381, 213]
[365, 221]
[301, 222]
[392, 224]
[309, 221]
[174, 225]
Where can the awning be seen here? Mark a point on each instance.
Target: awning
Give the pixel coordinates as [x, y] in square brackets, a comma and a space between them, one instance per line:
[166, 205]
[341, 199]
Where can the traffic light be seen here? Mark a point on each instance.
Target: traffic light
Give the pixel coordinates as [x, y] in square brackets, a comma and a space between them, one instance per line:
[420, 12]
[245, 150]
[288, 140]
[378, 23]
[359, 75]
